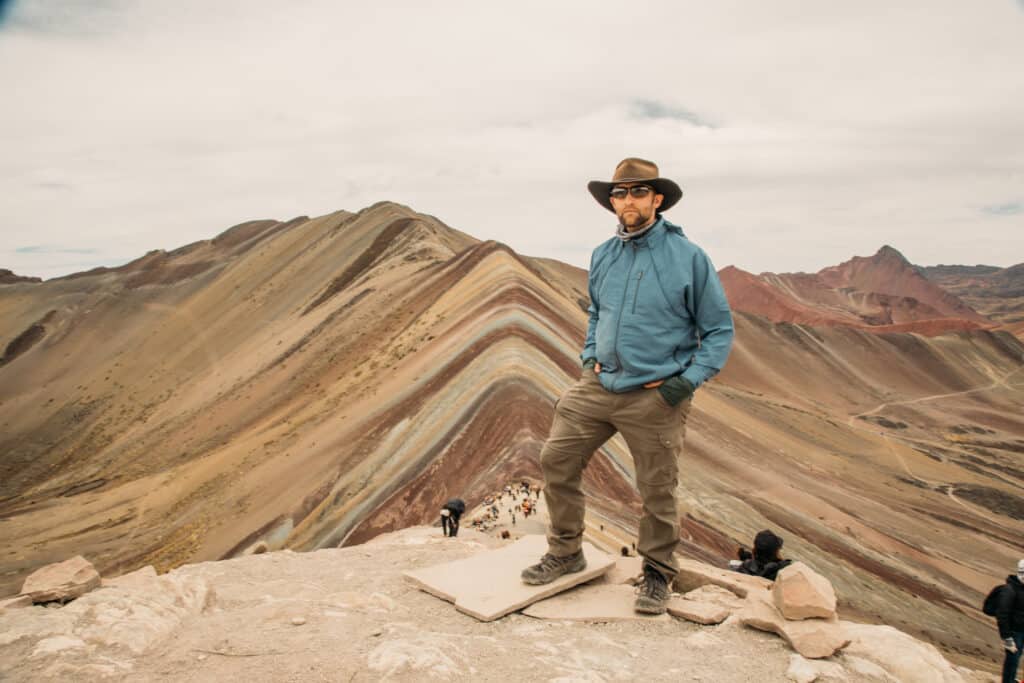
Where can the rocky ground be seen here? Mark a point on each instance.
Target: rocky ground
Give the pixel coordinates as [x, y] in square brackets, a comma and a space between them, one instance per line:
[348, 614]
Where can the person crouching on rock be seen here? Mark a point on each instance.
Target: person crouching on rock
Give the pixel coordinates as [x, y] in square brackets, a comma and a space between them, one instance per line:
[765, 561]
[450, 514]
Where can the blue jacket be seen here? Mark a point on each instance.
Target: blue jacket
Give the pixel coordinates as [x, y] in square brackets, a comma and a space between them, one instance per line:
[657, 309]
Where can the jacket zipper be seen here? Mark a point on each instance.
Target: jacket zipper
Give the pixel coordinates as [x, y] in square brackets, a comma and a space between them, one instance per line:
[622, 306]
[639, 277]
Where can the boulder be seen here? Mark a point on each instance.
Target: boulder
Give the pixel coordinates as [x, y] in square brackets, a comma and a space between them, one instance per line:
[802, 593]
[812, 638]
[693, 574]
[62, 581]
[902, 656]
[128, 618]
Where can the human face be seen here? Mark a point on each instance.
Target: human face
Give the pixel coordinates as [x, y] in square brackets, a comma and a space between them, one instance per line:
[636, 213]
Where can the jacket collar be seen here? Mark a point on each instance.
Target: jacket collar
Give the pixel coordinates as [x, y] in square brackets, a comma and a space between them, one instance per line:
[654, 235]
[642, 236]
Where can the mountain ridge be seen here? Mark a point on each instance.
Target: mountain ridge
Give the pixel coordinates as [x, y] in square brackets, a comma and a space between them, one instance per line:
[881, 293]
[224, 411]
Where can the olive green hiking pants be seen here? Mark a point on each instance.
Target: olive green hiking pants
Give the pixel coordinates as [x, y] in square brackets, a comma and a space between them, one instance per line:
[586, 416]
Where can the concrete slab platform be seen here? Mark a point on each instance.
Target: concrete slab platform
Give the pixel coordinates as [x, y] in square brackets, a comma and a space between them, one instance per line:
[626, 570]
[599, 602]
[487, 586]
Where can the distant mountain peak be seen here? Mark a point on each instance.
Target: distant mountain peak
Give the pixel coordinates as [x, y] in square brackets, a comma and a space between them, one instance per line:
[8, 277]
[889, 252]
[876, 291]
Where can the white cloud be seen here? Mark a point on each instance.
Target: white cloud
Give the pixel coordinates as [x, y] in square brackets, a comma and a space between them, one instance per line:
[834, 129]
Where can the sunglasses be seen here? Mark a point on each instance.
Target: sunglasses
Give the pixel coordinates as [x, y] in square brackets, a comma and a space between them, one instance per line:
[638, 191]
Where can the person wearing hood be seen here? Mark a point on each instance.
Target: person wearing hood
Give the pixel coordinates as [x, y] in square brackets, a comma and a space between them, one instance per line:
[766, 561]
[1010, 618]
[660, 327]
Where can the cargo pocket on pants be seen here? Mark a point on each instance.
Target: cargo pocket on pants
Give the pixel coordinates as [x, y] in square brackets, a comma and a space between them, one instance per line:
[664, 467]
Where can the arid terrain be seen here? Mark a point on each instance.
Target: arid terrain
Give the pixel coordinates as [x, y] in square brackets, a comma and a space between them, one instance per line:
[352, 614]
[998, 293]
[317, 382]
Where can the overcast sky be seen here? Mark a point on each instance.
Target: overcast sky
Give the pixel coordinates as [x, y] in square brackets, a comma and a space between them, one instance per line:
[803, 133]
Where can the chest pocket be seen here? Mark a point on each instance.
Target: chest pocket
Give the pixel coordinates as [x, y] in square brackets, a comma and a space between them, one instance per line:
[646, 294]
[610, 289]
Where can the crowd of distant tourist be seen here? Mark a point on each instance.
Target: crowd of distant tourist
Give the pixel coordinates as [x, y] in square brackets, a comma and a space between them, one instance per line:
[516, 499]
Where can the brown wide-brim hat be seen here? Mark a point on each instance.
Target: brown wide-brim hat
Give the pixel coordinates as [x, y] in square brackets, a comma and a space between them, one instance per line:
[633, 170]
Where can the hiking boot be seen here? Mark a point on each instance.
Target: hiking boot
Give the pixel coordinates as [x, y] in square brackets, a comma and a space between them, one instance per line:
[653, 592]
[550, 568]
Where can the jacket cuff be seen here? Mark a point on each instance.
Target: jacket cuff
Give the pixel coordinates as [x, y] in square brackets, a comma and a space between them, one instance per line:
[676, 389]
[695, 375]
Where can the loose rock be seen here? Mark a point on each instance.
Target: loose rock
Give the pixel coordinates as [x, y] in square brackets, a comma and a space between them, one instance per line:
[698, 612]
[812, 638]
[801, 593]
[16, 602]
[693, 574]
[716, 595]
[62, 581]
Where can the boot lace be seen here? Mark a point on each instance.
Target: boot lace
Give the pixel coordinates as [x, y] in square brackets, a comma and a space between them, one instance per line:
[653, 585]
[549, 561]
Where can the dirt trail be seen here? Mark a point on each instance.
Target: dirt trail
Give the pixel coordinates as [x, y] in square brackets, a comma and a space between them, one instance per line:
[937, 485]
[1001, 381]
[888, 438]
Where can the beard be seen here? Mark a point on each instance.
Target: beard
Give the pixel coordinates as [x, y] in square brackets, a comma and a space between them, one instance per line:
[633, 219]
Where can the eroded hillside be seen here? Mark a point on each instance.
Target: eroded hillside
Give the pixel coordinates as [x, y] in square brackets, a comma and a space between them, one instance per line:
[317, 382]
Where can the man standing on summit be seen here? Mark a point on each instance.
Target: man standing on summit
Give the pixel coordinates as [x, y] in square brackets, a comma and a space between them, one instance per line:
[659, 327]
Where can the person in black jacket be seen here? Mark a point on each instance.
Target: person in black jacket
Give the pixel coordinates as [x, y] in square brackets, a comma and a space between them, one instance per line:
[450, 514]
[765, 560]
[1010, 618]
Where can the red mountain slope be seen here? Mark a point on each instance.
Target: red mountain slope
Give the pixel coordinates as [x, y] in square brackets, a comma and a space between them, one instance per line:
[888, 272]
[881, 293]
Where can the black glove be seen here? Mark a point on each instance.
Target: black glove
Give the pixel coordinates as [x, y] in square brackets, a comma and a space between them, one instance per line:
[676, 389]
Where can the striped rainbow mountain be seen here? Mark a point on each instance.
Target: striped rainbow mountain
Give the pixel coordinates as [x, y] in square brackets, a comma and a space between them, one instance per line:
[319, 381]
